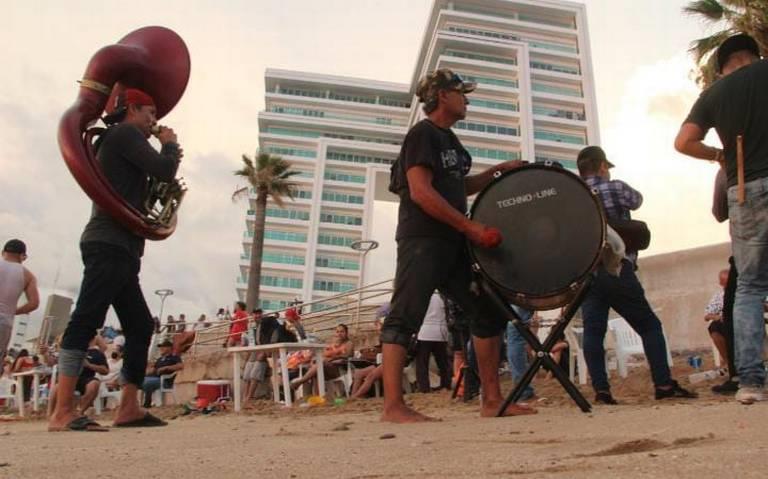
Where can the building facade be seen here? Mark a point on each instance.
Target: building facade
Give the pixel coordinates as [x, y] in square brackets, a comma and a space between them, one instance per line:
[535, 101]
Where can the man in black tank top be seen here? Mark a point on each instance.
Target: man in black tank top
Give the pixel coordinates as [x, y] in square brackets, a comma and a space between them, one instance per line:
[431, 176]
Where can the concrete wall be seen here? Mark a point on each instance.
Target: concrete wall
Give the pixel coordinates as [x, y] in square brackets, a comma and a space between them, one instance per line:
[679, 285]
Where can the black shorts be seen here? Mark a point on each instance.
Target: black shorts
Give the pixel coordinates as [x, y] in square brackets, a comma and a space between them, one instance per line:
[426, 264]
[718, 327]
[82, 383]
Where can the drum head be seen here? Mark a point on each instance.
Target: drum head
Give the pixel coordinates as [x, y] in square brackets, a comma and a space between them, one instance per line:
[553, 228]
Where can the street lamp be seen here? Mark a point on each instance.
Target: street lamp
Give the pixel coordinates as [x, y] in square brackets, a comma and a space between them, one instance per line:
[364, 247]
[163, 293]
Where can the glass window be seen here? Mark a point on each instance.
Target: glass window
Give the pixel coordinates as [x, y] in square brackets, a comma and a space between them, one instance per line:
[487, 128]
[559, 137]
[341, 176]
[358, 158]
[558, 90]
[283, 236]
[291, 152]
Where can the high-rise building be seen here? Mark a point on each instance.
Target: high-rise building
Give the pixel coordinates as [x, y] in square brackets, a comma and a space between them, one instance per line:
[535, 101]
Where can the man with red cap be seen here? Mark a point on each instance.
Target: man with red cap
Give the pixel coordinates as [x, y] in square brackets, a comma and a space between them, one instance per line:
[431, 176]
[112, 258]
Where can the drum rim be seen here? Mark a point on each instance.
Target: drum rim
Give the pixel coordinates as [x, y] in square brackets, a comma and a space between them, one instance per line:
[477, 267]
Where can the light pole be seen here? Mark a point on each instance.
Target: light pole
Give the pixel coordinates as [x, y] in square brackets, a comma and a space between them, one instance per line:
[362, 246]
[163, 293]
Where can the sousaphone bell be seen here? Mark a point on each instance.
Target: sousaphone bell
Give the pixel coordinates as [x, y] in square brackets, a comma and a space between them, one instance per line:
[152, 59]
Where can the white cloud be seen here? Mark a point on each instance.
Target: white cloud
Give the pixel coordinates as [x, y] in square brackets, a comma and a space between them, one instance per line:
[677, 189]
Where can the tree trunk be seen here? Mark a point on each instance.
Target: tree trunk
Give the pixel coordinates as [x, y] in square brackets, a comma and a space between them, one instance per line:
[257, 249]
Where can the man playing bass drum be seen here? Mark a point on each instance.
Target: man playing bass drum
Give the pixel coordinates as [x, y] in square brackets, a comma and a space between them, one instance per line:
[112, 259]
[431, 176]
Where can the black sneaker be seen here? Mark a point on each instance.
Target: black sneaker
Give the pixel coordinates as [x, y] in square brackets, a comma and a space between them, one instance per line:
[605, 397]
[675, 392]
[728, 388]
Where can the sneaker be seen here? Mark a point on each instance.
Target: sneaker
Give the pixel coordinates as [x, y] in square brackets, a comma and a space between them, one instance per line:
[605, 397]
[749, 394]
[675, 392]
[727, 388]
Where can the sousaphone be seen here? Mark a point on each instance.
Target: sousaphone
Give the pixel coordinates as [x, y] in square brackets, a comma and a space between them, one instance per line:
[152, 59]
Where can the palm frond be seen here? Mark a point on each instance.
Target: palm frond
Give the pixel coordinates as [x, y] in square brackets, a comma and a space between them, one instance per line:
[730, 17]
[702, 47]
[267, 175]
[240, 193]
[709, 10]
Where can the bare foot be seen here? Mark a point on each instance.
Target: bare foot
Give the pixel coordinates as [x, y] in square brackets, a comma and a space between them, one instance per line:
[128, 415]
[61, 421]
[402, 414]
[492, 409]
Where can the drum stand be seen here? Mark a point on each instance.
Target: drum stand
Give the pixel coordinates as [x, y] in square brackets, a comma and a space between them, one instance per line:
[541, 350]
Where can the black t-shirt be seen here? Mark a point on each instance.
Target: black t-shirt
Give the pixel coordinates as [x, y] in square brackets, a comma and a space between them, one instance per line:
[438, 149]
[164, 361]
[168, 360]
[96, 357]
[737, 104]
[127, 161]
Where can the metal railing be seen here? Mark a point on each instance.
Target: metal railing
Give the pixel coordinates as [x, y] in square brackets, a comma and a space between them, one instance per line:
[356, 308]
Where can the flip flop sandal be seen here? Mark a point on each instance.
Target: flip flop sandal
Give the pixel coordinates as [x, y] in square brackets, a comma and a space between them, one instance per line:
[81, 424]
[147, 421]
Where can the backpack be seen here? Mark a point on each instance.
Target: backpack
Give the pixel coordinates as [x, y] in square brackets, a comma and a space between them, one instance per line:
[634, 233]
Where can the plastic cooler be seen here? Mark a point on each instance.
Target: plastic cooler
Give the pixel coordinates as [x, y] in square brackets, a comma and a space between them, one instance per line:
[213, 390]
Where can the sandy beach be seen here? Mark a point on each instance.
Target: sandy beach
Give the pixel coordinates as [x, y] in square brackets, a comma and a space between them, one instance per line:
[709, 437]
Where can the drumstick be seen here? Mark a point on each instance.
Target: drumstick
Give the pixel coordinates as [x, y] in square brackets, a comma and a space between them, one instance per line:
[740, 195]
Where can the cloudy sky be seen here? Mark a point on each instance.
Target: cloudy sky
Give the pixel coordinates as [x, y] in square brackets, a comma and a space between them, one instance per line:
[643, 92]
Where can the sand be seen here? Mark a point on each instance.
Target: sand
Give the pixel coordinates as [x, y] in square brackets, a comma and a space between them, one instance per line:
[708, 437]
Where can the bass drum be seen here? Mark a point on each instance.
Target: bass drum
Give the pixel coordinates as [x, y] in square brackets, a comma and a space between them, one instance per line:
[554, 232]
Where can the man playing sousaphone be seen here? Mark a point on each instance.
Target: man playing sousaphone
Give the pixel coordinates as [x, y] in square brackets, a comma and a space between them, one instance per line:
[112, 258]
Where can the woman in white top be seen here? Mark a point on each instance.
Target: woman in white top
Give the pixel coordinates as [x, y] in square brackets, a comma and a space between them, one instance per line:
[433, 339]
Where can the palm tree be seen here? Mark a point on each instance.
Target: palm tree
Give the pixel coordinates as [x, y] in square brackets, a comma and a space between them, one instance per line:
[269, 177]
[732, 16]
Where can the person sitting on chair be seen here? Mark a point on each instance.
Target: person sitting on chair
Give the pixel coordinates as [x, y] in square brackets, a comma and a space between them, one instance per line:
[167, 363]
[365, 377]
[333, 355]
[713, 314]
[115, 364]
[87, 383]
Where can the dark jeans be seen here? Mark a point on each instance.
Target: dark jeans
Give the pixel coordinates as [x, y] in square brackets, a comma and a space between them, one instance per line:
[626, 296]
[111, 277]
[438, 349]
[426, 264]
[150, 385]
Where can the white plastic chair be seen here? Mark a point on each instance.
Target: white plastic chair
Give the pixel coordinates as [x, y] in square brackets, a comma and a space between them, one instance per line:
[576, 354]
[6, 391]
[344, 380]
[628, 343]
[102, 400]
[164, 390]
